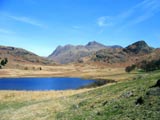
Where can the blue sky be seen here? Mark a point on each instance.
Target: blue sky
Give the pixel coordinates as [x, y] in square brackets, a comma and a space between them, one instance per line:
[41, 25]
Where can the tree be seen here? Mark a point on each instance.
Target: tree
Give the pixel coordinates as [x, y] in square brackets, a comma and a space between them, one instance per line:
[130, 68]
[149, 65]
[3, 62]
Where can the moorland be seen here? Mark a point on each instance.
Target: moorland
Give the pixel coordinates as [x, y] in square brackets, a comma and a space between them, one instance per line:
[134, 95]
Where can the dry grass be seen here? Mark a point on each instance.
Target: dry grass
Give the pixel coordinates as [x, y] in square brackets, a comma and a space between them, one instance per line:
[34, 105]
[70, 70]
[36, 95]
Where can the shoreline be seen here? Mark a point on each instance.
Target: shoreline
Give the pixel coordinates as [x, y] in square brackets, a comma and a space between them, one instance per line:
[96, 73]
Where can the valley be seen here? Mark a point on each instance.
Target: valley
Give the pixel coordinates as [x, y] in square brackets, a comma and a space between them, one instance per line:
[79, 60]
[103, 62]
[113, 101]
[117, 100]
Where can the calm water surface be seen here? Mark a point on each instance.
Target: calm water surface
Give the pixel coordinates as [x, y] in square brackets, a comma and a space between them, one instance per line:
[42, 83]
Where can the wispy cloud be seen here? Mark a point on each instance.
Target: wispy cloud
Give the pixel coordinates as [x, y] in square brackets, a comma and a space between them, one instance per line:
[27, 20]
[104, 21]
[5, 31]
[141, 12]
[138, 13]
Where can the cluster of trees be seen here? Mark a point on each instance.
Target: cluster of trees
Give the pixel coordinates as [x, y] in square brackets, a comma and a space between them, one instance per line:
[144, 65]
[150, 66]
[3, 62]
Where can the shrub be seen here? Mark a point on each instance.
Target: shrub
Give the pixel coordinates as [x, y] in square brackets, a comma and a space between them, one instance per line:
[146, 66]
[4, 62]
[150, 66]
[130, 68]
[25, 68]
[40, 68]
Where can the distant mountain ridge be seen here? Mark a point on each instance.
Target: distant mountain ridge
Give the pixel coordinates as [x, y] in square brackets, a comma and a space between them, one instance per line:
[70, 53]
[92, 52]
[135, 52]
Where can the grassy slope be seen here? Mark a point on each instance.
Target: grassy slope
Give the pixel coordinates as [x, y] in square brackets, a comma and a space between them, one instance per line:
[112, 102]
[117, 102]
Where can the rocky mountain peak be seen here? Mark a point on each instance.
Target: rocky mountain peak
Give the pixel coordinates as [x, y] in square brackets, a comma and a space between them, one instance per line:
[94, 43]
[139, 47]
[70, 53]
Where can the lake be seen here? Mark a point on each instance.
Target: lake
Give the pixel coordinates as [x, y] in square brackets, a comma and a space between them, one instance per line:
[42, 83]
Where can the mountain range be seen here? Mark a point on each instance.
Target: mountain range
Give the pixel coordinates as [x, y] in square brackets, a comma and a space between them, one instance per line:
[69, 53]
[133, 53]
[92, 52]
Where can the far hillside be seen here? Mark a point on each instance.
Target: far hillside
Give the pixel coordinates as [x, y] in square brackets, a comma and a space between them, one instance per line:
[129, 55]
[17, 56]
[70, 53]
[93, 53]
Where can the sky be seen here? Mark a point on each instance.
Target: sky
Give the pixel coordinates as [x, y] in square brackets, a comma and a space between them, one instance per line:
[41, 25]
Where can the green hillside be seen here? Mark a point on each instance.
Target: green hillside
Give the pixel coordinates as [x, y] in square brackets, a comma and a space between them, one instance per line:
[118, 101]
